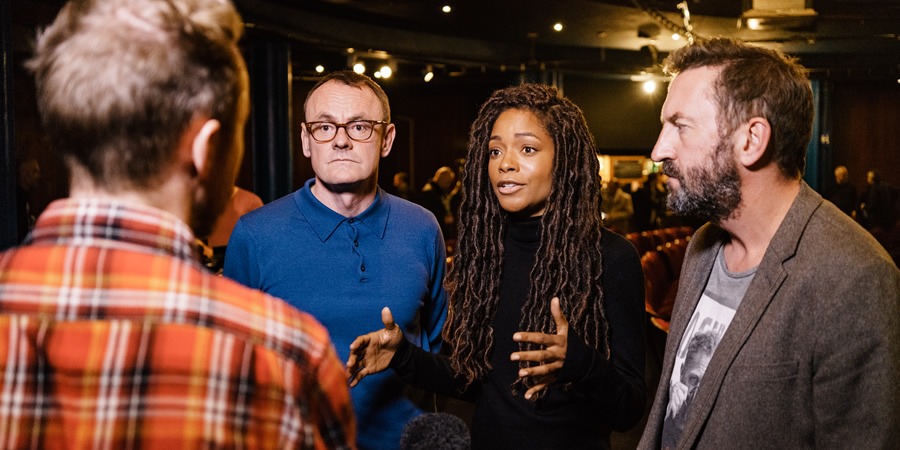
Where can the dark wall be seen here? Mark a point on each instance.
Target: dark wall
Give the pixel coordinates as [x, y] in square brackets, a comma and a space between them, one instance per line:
[623, 118]
[866, 130]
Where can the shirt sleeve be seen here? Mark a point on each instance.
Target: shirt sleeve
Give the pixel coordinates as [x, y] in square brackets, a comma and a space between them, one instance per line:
[240, 257]
[335, 421]
[430, 372]
[434, 312]
[616, 383]
[855, 373]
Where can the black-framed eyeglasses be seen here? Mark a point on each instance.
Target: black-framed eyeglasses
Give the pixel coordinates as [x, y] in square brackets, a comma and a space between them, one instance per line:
[358, 130]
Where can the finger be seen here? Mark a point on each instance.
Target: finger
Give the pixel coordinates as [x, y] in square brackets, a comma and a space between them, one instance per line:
[540, 371]
[357, 377]
[534, 390]
[537, 338]
[387, 318]
[358, 342]
[562, 325]
[534, 355]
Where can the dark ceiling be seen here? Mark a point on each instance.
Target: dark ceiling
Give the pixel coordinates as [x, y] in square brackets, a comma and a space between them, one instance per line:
[855, 39]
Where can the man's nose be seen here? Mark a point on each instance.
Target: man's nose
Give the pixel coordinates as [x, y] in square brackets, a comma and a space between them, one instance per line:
[663, 149]
[341, 138]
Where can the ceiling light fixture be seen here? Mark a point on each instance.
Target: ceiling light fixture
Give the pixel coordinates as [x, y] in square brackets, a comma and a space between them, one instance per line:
[359, 67]
[385, 72]
[558, 26]
[446, 8]
[649, 86]
[686, 17]
[320, 68]
[429, 73]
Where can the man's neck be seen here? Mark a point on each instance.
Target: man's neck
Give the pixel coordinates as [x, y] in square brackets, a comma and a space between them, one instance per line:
[765, 203]
[348, 203]
[171, 197]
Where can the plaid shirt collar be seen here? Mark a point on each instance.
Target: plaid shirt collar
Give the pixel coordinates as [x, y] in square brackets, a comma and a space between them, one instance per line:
[113, 224]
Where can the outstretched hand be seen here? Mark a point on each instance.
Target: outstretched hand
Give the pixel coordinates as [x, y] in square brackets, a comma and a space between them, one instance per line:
[371, 353]
[552, 356]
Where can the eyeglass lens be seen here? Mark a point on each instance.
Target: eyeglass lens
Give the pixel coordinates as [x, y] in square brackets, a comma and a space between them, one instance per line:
[357, 131]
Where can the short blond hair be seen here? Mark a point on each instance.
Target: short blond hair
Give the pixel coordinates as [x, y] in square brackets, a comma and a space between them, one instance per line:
[118, 82]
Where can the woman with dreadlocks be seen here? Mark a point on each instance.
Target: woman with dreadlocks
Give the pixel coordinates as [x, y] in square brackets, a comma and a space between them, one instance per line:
[545, 325]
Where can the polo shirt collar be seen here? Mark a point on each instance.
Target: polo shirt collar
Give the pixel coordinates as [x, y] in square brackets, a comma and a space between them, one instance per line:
[324, 221]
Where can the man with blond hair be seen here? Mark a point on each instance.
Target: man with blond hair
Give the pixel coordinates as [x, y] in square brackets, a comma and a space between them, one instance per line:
[111, 332]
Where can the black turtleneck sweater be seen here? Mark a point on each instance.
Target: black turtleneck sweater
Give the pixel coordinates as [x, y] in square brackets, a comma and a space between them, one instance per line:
[601, 395]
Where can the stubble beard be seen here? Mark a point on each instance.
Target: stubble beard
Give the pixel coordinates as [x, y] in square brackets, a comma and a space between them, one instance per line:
[711, 192]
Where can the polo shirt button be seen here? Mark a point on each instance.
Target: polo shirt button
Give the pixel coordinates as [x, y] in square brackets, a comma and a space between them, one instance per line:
[351, 220]
[362, 267]
[356, 243]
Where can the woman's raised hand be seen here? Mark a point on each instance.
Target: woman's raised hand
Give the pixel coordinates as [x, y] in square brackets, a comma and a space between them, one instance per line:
[552, 356]
[371, 353]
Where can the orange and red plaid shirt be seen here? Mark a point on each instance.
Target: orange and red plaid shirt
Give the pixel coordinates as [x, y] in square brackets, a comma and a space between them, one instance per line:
[112, 335]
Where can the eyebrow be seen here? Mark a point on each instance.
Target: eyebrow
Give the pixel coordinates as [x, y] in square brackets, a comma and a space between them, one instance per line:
[672, 118]
[522, 134]
[326, 117]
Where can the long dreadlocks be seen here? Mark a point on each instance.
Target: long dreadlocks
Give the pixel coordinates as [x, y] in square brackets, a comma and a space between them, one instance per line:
[568, 259]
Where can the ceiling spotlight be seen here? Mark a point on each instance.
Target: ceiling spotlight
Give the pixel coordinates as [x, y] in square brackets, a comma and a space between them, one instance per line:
[320, 68]
[446, 8]
[359, 67]
[377, 74]
[429, 73]
[676, 36]
[386, 72]
[649, 86]
[557, 26]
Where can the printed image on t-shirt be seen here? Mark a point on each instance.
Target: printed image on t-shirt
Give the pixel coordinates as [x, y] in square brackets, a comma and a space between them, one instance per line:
[712, 316]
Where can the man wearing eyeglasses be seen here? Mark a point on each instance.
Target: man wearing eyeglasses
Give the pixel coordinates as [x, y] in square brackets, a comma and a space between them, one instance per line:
[342, 249]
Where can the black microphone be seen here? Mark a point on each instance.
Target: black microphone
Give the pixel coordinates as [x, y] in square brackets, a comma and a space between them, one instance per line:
[436, 431]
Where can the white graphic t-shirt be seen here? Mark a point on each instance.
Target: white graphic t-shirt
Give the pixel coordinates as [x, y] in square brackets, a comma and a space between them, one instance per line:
[721, 298]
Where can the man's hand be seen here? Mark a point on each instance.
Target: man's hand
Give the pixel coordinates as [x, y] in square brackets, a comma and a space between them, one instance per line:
[678, 391]
[371, 353]
[551, 358]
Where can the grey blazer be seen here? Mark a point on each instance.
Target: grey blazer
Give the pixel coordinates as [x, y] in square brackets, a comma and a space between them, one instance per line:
[812, 356]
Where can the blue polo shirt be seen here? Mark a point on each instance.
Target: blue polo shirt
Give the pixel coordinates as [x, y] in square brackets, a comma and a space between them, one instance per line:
[343, 271]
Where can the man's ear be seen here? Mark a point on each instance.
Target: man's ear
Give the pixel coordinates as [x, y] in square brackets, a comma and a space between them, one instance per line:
[758, 132]
[304, 137]
[389, 133]
[202, 142]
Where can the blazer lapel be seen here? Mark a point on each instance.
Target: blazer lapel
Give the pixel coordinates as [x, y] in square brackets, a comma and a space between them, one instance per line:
[768, 279]
[697, 266]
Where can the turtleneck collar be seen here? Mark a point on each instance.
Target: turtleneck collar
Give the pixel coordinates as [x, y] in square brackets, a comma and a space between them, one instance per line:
[524, 231]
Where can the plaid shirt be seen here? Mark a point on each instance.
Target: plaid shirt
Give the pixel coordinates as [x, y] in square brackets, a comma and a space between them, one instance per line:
[112, 335]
